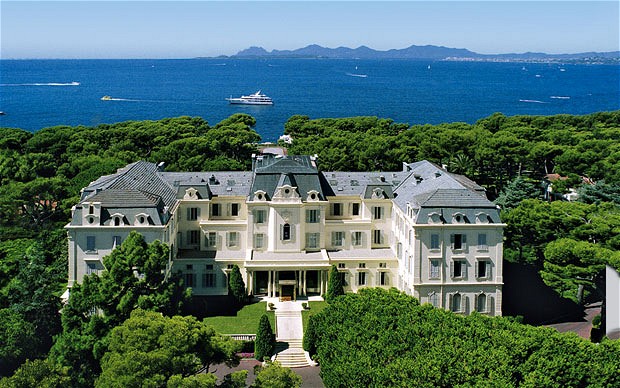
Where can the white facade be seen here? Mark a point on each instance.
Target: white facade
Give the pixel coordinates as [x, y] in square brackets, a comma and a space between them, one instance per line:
[612, 302]
[427, 232]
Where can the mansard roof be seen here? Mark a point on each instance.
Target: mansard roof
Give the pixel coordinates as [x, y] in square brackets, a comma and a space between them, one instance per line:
[137, 182]
[273, 171]
[429, 187]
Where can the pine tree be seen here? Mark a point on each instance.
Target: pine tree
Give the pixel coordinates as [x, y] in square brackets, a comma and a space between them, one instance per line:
[265, 339]
[334, 287]
[236, 286]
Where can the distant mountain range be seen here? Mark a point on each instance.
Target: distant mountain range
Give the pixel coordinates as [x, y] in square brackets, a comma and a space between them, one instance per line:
[424, 53]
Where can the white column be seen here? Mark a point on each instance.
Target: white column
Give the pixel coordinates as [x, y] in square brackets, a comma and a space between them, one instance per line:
[304, 277]
[269, 284]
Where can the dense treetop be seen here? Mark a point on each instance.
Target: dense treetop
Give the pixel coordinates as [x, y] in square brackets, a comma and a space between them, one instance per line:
[379, 338]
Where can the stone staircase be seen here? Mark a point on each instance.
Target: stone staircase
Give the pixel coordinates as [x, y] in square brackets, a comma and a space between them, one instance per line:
[289, 346]
[290, 353]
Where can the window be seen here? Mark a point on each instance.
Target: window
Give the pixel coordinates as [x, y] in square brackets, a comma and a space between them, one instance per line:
[435, 268]
[341, 266]
[234, 209]
[211, 239]
[382, 265]
[286, 232]
[383, 278]
[458, 241]
[377, 212]
[377, 236]
[483, 269]
[336, 209]
[193, 213]
[259, 239]
[482, 242]
[208, 280]
[117, 221]
[434, 241]
[337, 239]
[312, 216]
[91, 268]
[356, 239]
[433, 299]
[215, 210]
[481, 303]
[90, 243]
[456, 303]
[190, 279]
[355, 209]
[193, 237]
[233, 239]
[259, 216]
[361, 278]
[312, 240]
[361, 265]
[209, 267]
[459, 268]
[343, 278]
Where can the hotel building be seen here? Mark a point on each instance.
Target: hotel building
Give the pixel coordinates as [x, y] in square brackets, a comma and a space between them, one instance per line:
[423, 230]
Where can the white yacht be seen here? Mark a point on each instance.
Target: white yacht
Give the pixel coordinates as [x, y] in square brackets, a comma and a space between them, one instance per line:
[253, 99]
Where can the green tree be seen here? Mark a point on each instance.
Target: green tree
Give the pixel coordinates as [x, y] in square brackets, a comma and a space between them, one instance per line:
[148, 349]
[334, 285]
[516, 191]
[265, 339]
[37, 373]
[18, 340]
[274, 375]
[236, 286]
[135, 277]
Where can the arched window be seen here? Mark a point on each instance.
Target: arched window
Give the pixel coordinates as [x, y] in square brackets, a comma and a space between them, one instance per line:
[117, 221]
[286, 232]
[456, 302]
[481, 303]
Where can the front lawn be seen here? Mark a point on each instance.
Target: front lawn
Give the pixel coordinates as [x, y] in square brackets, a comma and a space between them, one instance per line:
[245, 322]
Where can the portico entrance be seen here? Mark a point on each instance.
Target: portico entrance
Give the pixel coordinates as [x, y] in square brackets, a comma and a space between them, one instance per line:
[287, 283]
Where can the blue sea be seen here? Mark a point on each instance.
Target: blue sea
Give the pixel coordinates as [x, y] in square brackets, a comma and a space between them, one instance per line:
[35, 94]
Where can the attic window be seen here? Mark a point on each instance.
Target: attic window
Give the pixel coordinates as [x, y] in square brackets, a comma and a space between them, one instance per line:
[313, 196]
[259, 196]
[287, 191]
[141, 219]
[91, 220]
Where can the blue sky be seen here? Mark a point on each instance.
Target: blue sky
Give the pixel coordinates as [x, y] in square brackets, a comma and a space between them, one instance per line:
[166, 29]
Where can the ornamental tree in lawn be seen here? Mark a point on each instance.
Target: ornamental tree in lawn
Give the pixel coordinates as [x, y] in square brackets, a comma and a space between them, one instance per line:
[334, 287]
[236, 286]
[265, 339]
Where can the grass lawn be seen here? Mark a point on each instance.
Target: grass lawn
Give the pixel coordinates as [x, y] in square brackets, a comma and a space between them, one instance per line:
[315, 308]
[245, 322]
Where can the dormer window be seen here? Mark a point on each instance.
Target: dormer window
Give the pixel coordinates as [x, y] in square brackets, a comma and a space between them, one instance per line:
[378, 193]
[434, 218]
[313, 195]
[191, 193]
[142, 219]
[260, 195]
[117, 219]
[90, 220]
[482, 218]
[459, 218]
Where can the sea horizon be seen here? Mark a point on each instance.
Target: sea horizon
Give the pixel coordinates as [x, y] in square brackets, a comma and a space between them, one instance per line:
[39, 93]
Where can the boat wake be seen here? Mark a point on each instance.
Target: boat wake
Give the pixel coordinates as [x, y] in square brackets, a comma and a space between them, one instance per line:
[560, 97]
[534, 101]
[45, 84]
[357, 75]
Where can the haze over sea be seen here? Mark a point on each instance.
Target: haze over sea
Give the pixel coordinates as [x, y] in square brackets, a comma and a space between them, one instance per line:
[36, 94]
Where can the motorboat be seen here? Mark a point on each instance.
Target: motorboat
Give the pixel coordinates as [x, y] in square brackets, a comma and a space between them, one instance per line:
[253, 99]
[106, 98]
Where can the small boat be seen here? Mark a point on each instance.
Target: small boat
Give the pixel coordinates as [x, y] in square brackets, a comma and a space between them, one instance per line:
[106, 98]
[2, 113]
[253, 99]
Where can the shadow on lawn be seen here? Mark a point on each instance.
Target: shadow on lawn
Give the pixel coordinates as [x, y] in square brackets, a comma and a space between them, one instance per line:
[211, 306]
[525, 294]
